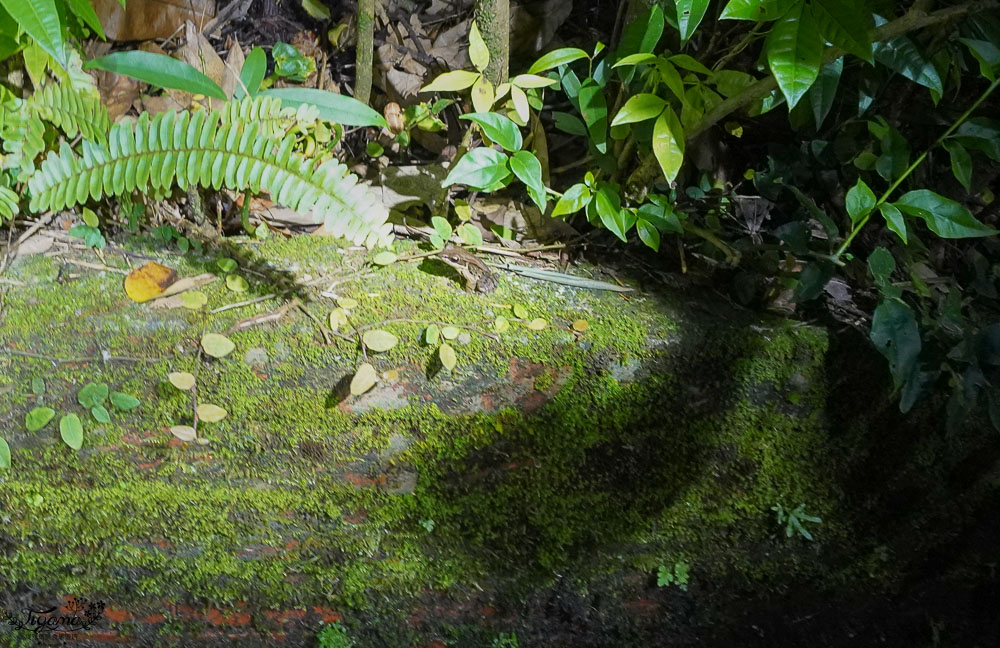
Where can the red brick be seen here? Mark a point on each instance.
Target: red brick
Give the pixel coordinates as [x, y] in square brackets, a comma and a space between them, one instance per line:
[326, 615]
[116, 615]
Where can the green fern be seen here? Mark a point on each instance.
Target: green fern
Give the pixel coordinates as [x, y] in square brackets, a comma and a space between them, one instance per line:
[273, 120]
[8, 204]
[72, 111]
[199, 148]
[23, 134]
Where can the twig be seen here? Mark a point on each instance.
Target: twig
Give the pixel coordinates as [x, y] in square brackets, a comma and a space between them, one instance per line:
[319, 325]
[95, 266]
[57, 360]
[425, 323]
[241, 304]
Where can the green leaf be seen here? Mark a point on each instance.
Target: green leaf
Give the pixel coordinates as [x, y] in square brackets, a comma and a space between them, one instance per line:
[648, 234]
[71, 431]
[902, 56]
[689, 63]
[4, 454]
[689, 16]
[316, 9]
[86, 13]
[379, 340]
[812, 281]
[447, 356]
[225, 264]
[479, 54]
[470, 234]
[894, 220]
[794, 51]
[943, 216]
[756, 10]
[364, 379]
[882, 265]
[333, 107]
[384, 258]
[528, 170]
[594, 109]
[480, 168]
[557, 58]
[638, 108]
[961, 163]
[642, 34]
[452, 81]
[529, 81]
[640, 58]
[612, 215]
[860, 201]
[573, 200]
[824, 91]
[661, 215]
[980, 134]
[668, 143]
[217, 346]
[158, 70]
[210, 413]
[988, 55]
[498, 128]
[730, 82]
[431, 334]
[847, 24]
[237, 284]
[442, 227]
[568, 123]
[37, 418]
[37, 386]
[40, 20]
[100, 414]
[252, 74]
[92, 394]
[124, 402]
[896, 336]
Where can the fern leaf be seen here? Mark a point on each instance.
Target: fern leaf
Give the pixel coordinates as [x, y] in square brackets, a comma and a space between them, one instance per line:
[72, 111]
[8, 204]
[22, 133]
[200, 148]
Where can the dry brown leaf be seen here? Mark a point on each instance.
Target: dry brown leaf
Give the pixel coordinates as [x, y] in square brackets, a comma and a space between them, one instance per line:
[172, 297]
[199, 54]
[148, 19]
[234, 63]
[142, 284]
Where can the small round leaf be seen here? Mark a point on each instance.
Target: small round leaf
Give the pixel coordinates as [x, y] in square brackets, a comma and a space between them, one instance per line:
[183, 432]
[217, 345]
[537, 324]
[364, 379]
[226, 264]
[211, 413]
[182, 380]
[123, 401]
[347, 303]
[449, 332]
[379, 340]
[194, 300]
[384, 258]
[447, 356]
[237, 284]
[501, 324]
[580, 325]
[37, 418]
[71, 431]
[520, 311]
[431, 334]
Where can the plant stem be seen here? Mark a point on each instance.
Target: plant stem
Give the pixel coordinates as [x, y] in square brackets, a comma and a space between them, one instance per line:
[923, 156]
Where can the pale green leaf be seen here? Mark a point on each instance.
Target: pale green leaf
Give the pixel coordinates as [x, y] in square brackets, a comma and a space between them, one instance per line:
[668, 143]
[638, 108]
[71, 431]
[452, 81]
[158, 70]
[557, 58]
[333, 107]
[217, 345]
[447, 356]
[37, 418]
[210, 413]
[379, 340]
[479, 53]
[364, 379]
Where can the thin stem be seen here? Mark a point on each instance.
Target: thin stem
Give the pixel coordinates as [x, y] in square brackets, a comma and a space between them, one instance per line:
[923, 156]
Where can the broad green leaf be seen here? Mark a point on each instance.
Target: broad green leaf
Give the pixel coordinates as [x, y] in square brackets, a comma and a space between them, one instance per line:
[902, 56]
[661, 215]
[689, 16]
[668, 143]
[480, 168]
[896, 336]
[731, 82]
[124, 402]
[441, 227]
[532, 81]
[988, 55]
[671, 78]
[573, 200]
[210, 413]
[943, 216]
[226, 264]
[640, 58]
[252, 74]
[37, 386]
[92, 394]
[483, 95]
[452, 81]
[447, 356]
[757, 10]
[194, 299]
[384, 258]
[860, 201]
[100, 414]
[379, 340]
[316, 9]
[980, 134]
[882, 265]
[498, 128]
[216, 345]
[528, 170]
[182, 380]
[183, 432]
[794, 50]
[71, 431]
[847, 24]
[158, 70]
[431, 334]
[642, 34]
[4, 454]
[470, 234]
[612, 215]
[961, 163]
[364, 379]
[638, 108]
[557, 58]
[812, 281]
[86, 13]
[479, 54]
[333, 107]
[824, 91]
[450, 332]
[894, 220]
[37, 418]
[237, 284]
[568, 123]
[40, 20]
[648, 233]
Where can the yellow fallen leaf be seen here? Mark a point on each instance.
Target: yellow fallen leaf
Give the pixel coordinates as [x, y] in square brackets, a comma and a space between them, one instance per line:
[363, 380]
[182, 380]
[142, 284]
[447, 356]
[580, 325]
[211, 413]
[537, 324]
[183, 432]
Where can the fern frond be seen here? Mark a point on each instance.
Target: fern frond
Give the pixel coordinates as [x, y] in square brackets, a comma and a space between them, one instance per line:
[198, 148]
[266, 111]
[22, 133]
[75, 76]
[72, 111]
[8, 204]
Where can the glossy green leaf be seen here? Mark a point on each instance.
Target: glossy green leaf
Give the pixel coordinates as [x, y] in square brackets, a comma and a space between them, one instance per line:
[731, 82]
[988, 55]
[498, 128]
[594, 109]
[756, 10]
[37, 418]
[961, 163]
[480, 168]
[568, 123]
[943, 216]
[638, 108]
[40, 20]
[100, 414]
[616, 219]
[640, 58]
[824, 91]
[860, 201]
[158, 70]
[896, 336]
[123, 401]
[452, 81]
[671, 78]
[528, 170]
[980, 134]
[252, 74]
[4, 454]
[85, 12]
[894, 220]
[794, 50]
[71, 431]
[557, 58]
[333, 107]
[689, 16]
[648, 233]
[573, 200]
[668, 143]
[847, 24]
[902, 56]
